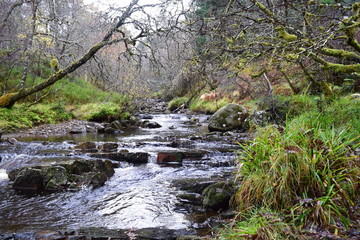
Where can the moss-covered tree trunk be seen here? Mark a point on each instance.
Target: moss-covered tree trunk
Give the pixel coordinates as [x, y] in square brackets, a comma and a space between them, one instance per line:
[8, 100]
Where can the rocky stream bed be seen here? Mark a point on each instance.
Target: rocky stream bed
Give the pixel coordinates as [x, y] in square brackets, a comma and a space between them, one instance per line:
[164, 176]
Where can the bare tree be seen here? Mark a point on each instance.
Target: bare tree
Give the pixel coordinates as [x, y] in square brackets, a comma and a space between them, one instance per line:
[114, 35]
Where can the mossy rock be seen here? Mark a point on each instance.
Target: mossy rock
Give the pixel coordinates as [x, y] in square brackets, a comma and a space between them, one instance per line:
[227, 118]
[218, 195]
[257, 119]
[58, 177]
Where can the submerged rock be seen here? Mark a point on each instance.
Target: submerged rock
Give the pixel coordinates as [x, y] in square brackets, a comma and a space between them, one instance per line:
[228, 118]
[57, 177]
[109, 147]
[130, 157]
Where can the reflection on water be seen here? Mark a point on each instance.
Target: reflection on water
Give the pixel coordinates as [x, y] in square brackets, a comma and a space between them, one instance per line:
[135, 197]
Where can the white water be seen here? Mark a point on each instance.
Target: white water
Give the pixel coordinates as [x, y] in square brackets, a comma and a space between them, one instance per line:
[3, 175]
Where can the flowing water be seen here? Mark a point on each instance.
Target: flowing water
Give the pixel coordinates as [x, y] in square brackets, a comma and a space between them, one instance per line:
[135, 197]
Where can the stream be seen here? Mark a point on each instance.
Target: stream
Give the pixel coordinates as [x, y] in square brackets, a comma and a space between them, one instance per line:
[136, 197]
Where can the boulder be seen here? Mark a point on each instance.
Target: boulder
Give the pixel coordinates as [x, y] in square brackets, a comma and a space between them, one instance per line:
[86, 146]
[193, 185]
[117, 125]
[228, 118]
[135, 158]
[169, 157]
[57, 177]
[109, 147]
[78, 129]
[30, 178]
[150, 124]
[218, 195]
[109, 130]
[258, 118]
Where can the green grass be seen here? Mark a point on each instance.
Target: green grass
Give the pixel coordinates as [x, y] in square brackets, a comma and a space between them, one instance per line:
[308, 170]
[101, 112]
[177, 102]
[81, 99]
[21, 116]
[208, 107]
[258, 224]
[78, 91]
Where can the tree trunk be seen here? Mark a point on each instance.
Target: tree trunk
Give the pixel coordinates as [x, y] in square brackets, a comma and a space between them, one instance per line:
[29, 43]
[8, 100]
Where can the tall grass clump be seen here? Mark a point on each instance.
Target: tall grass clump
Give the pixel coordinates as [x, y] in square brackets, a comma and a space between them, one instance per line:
[308, 170]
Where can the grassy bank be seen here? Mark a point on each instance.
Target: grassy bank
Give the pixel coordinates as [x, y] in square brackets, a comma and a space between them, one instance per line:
[303, 177]
[67, 99]
[197, 104]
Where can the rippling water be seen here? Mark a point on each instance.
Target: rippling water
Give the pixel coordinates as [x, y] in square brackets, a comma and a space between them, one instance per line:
[135, 197]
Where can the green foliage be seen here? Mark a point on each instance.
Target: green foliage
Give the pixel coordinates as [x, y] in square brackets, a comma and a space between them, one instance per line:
[298, 104]
[207, 107]
[327, 1]
[177, 102]
[21, 116]
[78, 91]
[101, 112]
[309, 170]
